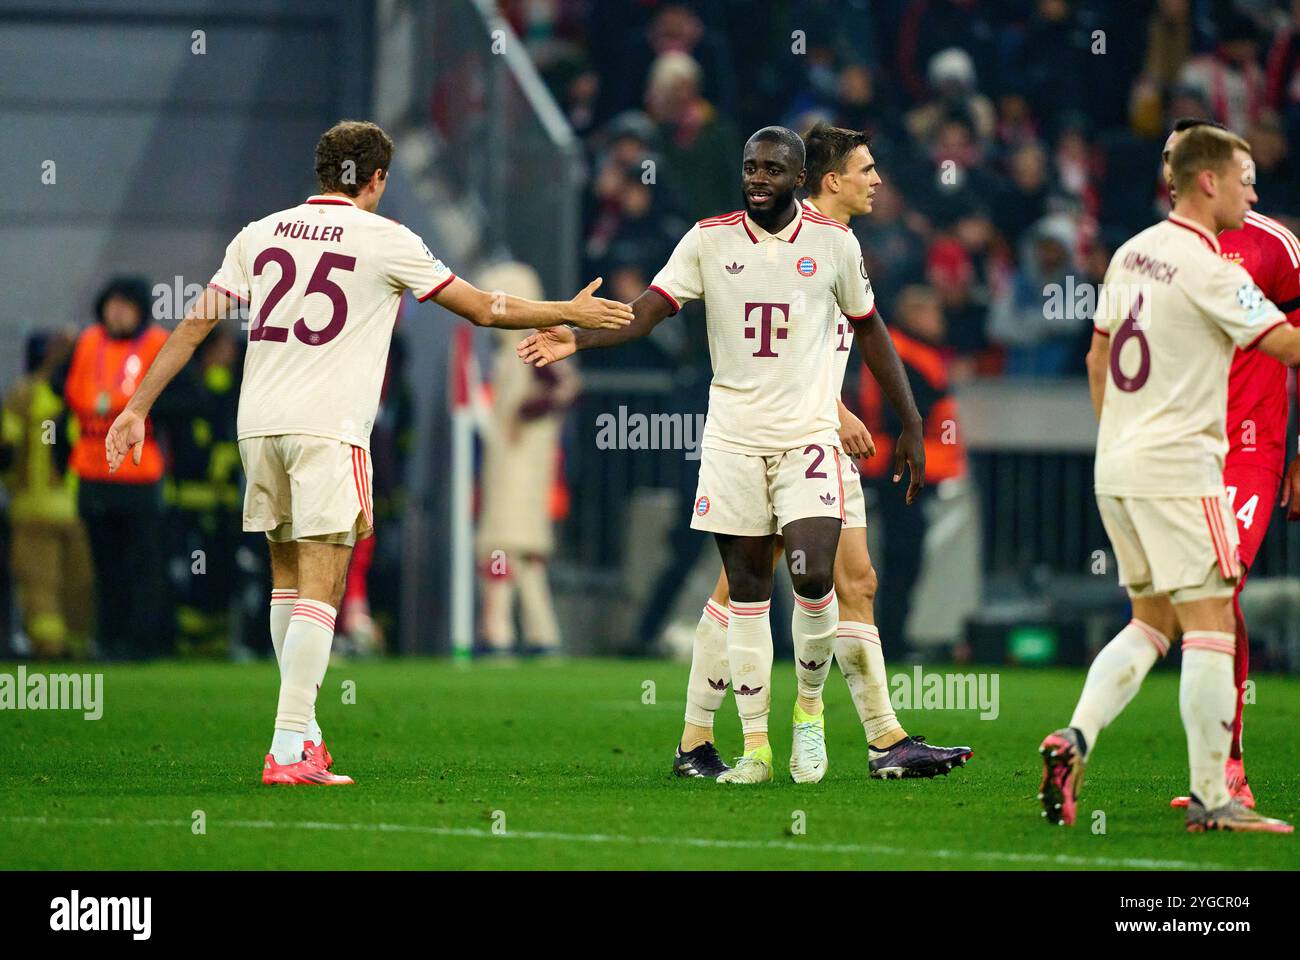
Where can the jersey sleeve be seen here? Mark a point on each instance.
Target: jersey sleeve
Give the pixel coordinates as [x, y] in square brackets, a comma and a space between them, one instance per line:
[232, 278]
[680, 280]
[1106, 315]
[1232, 302]
[853, 291]
[412, 266]
[1283, 286]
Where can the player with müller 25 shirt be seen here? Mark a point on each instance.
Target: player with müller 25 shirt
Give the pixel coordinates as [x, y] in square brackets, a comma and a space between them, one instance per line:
[322, 280]
[775, 278]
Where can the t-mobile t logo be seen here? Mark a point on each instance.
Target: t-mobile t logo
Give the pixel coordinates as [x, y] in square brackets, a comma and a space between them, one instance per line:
[764, 330]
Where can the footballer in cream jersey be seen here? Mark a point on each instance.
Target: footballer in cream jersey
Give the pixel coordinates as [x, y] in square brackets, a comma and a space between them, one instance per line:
[327, 278]
[322, 282]
[1174, 311]
[775, 278]
[1170, 317]
[773, 305]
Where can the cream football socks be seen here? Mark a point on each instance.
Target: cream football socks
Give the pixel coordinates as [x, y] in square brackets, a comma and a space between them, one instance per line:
[862, 661]
[1115, 676]
[749, 651]
[282, 602]
[710, 676]
[812, 627]
[303, 662]
[1207, 700]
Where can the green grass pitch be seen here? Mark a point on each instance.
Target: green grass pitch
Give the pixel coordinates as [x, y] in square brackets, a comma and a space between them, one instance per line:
[563, 765]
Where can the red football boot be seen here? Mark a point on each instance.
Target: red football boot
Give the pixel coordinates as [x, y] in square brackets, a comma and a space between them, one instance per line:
[306, 772]
[326, 760]
[1234, 773]
[1063, 770]
[1238, 786]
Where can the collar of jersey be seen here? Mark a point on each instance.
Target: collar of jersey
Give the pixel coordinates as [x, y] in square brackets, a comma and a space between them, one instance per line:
[786, 233]
[321, 198]
[1211, 240]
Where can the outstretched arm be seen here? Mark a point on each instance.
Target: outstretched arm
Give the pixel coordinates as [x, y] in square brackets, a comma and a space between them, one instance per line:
[128, 430]
[1098, 362]
[882, 360]
[554, 344]
[485, 309]
[648, 310]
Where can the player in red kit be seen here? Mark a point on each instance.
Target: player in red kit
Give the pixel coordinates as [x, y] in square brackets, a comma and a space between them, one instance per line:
[1258, 408]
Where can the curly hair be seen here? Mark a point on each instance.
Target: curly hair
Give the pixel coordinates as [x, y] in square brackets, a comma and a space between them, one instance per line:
[349, 153]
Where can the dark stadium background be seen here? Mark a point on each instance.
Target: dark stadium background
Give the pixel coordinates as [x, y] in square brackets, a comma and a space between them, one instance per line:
[162, 154]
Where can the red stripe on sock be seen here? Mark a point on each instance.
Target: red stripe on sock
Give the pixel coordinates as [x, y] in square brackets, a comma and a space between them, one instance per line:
[860, 635]
[1226, 651]
[311, 613]
[815, 606]
[716, 612]
[1199, 640]
[1156, 639]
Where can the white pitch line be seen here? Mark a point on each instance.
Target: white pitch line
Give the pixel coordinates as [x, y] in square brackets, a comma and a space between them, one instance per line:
[871, 849]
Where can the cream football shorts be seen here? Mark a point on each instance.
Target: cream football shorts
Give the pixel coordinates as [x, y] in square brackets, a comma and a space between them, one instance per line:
[855, 504]
[1183, 546]
[303, 487]
[751, 496]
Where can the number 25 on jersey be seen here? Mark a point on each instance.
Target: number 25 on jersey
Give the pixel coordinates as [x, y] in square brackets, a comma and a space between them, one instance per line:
[320, 282]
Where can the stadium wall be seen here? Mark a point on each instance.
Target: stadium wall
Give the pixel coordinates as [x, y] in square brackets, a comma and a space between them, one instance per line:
[164, 142]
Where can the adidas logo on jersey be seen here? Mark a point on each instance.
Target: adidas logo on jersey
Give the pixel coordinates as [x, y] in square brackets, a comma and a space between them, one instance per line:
[734, 268]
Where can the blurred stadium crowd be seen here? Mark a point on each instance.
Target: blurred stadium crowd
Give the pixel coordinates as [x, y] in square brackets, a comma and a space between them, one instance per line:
[1019, 141]
[152, 560]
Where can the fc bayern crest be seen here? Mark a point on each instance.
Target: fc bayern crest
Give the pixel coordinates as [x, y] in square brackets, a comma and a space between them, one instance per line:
[702, 506]
[806, 266]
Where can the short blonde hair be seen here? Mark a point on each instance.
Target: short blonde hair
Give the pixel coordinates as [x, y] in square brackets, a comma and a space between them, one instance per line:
[1202, 148]
[671, 68]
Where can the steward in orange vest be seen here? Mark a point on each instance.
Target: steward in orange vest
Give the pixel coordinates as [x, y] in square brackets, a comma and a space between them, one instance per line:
[123, 511]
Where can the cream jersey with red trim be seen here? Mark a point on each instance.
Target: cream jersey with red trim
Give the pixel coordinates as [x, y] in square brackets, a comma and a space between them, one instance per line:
[843, 329]
[1174, 310]
[322, 281]
[772, 305]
